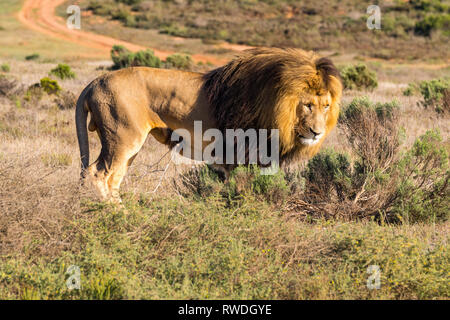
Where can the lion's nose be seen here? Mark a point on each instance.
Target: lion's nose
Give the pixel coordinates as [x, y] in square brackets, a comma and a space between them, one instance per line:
[314, 132]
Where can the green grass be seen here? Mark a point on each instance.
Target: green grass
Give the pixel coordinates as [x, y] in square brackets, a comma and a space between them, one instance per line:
[165, 249]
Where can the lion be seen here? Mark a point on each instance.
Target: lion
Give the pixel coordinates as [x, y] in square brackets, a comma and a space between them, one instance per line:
[294, 91]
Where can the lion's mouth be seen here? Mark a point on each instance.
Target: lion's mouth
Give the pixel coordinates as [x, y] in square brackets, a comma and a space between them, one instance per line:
[307, 141]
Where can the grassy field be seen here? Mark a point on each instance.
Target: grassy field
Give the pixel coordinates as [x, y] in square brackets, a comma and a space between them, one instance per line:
[197, 238]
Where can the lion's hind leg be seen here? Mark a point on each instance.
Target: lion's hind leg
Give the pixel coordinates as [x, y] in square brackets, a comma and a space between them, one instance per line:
[98, 174]
[120, 161]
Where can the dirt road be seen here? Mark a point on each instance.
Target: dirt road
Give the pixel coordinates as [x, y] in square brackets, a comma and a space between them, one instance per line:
[39, 15]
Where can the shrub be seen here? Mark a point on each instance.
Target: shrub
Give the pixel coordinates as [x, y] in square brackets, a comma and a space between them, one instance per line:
[129, 2]
[435, 94]
[359, 77]
[379, 181]
[101, 8]
[7, 86]
[423, 188]
[428, 5]
[249, 180]
[63, 72]
[243, 180]
[123, 58]
[33, 56]
[5, 67]
[33, 94]
[411, 90]
[179, 61]
[66, 100]
[50, 86]
[431, 23]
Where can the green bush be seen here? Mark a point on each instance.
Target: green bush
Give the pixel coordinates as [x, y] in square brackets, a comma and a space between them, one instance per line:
[179, 61]
[5, 67]
[243, 181]
[423, 189]
[249, 180]
[429, 5]
[129, 2]
[63, 72]
[124, 58]
[411, 90]
[431, 23]
[33, 56]
[435, 94]
[359, 77]
[50, 86]
[329, 171]
[101, 8]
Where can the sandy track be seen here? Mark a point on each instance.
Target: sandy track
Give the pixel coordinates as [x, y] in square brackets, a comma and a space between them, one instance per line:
[39, 15]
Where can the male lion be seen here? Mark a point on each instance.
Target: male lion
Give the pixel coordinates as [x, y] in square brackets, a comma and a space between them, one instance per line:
[291, 90]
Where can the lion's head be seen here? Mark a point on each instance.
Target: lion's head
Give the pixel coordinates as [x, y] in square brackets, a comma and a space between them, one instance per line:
[291, 90]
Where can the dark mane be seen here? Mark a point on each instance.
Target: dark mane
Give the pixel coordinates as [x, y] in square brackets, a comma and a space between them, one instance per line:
[261, 88]
[326, 68]
[236, 91]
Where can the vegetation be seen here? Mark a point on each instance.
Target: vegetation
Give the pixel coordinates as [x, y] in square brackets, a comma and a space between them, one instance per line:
[435, 93]
[377, 194]
[50, 86]
[179, 61]
[63, 71]
[33, 56]
[5, 67]
[207, 250]
[124, 58]
[288, 23]
[376, 181]
[305, 233]
[433, 23]
[359, 77]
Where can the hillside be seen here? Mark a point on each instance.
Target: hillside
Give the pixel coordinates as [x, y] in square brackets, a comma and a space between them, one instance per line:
[338, 26]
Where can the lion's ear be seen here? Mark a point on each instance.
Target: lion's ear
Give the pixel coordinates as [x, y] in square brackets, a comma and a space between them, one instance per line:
[330, 76]
[335, 87]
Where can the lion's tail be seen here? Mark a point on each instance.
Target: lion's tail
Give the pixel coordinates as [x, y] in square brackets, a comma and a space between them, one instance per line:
[81, 115]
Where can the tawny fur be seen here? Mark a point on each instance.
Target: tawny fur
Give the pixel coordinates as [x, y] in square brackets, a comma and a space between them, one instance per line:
[291, 90]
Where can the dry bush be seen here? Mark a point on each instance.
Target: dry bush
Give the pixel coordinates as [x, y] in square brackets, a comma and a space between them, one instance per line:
[380, 181]
[446, 101]
[9, 86]
[66, 100]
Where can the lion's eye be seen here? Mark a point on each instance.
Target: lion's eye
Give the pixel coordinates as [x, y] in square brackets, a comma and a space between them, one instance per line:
[309, 106]
[327, 107]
